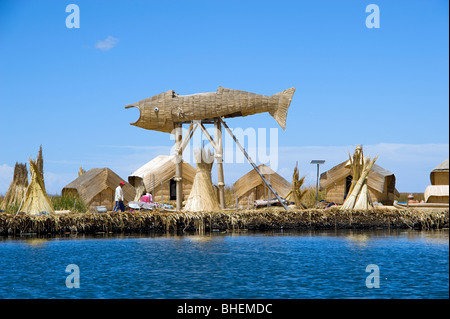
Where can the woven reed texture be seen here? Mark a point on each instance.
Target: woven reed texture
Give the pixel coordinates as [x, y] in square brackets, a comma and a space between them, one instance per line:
[251, 185]
[380, 182]
[203, 195]
[97, 187]
[159, 170]
[17, 188]
[437, 194]
[161, 111]
[439, 175]
[36, 199]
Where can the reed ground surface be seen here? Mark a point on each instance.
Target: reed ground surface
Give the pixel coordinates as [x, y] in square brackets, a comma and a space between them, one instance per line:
[256, 219]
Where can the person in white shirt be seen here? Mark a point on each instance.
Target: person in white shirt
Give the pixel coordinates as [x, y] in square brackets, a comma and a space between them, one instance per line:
[119, 198]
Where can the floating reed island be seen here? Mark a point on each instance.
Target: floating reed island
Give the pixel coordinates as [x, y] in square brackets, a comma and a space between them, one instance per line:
[261, 219]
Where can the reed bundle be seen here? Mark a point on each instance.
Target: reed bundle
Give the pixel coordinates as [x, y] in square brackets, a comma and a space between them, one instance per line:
[203, 196]
[262, 219]
[81, 171]
[17, 188]
[36, 199]
[296, 194]
[358, 195]
[140, 190]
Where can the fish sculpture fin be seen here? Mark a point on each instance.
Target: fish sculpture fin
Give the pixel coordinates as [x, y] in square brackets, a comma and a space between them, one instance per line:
[279, 112]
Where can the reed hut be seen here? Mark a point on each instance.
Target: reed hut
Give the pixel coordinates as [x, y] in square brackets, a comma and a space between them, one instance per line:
[438, 191]
[158, 177]
[338, 180]
[250, 187]
[97, 187]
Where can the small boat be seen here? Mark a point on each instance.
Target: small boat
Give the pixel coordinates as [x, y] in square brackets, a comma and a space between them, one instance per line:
[404, 205]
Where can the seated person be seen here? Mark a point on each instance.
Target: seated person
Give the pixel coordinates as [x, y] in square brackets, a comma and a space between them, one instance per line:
[147, 198]
[411, 199]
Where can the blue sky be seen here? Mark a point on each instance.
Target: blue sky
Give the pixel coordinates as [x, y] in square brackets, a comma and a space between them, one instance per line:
[66, 89]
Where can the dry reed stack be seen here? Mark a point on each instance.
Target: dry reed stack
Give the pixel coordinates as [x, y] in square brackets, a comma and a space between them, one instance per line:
[203, 196]
[17, 188]
[358, 196]
[81, 171]
[36, 200]
[261, 219]
[295, 194]
[140, 190]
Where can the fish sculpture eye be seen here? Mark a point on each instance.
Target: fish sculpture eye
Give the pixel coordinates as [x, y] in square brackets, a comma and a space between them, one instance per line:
[156, 109]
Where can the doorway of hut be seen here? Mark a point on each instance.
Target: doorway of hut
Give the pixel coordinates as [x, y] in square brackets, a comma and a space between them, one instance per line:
[348, 184]
[173, 189]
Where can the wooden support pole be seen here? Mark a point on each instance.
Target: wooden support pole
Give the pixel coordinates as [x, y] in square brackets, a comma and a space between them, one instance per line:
[186, 140]
[219, 161]
[208, 136]
[179, 165]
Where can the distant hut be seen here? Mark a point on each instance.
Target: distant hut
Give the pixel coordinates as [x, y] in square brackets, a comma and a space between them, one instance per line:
[337, 181]
[438, 191]
[250, 187]
[158, 177]
[97, 187]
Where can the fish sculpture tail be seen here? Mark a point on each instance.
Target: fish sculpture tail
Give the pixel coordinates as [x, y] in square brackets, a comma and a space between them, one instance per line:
[279, 112]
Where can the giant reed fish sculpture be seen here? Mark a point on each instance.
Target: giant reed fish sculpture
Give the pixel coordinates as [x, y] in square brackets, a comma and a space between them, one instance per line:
[162, 111]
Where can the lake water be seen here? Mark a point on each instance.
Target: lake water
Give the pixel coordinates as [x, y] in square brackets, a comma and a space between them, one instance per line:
[292, 265]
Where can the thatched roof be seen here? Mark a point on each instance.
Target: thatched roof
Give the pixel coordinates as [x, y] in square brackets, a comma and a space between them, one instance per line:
[436, 191]
[252, 179]
[376, 179]
[94, 181]
[160, 168]
[441, 168]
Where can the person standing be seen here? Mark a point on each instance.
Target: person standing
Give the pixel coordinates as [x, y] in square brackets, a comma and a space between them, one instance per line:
[119, 198]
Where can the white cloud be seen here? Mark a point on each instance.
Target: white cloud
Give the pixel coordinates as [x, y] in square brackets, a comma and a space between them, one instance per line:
[107, 44]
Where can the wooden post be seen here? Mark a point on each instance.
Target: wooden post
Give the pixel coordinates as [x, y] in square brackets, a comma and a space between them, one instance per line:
[179, 165]
[219, 161]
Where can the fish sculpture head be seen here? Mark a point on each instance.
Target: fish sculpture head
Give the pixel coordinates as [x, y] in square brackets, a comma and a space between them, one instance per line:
[155, 112]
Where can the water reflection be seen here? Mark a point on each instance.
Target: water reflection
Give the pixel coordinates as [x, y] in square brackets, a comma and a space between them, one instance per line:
[357, 237]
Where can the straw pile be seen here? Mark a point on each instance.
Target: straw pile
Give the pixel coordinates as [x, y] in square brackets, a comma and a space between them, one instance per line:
[295, 194]
[203, 196]
[358, 195]
[140, 190]
[36, 199]
[81, 171]
[17, 188]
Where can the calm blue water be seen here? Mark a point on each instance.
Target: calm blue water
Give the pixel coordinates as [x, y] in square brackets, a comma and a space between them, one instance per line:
[239, 265]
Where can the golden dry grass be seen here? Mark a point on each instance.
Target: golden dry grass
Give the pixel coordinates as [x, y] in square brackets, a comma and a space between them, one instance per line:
[261, 219]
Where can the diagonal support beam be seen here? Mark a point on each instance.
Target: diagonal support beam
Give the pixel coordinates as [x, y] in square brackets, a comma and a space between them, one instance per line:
[253, 164]
[199, 123]
[187, 138]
